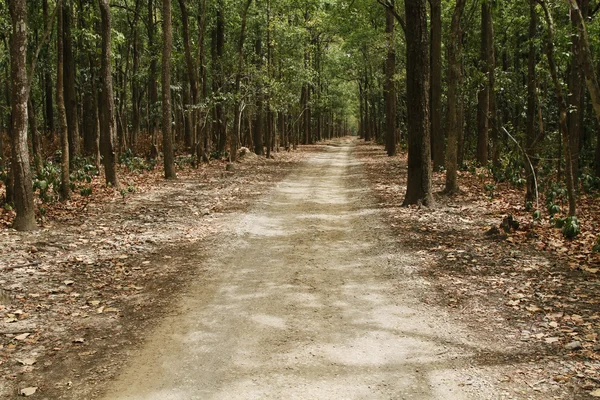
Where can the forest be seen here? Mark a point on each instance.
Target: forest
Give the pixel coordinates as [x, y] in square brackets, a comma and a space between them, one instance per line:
[90, 86]
[358, 183]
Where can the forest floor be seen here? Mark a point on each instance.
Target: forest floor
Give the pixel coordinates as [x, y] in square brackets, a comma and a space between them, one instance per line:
[295, 279]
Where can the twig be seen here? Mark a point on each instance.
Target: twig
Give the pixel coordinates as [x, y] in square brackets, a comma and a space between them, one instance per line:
[15, 332]
[31, 264]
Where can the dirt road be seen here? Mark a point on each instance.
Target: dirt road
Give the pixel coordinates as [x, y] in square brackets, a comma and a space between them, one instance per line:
[309, 297]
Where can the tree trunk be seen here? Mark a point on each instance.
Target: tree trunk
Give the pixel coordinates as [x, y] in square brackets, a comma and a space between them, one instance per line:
[483, 107]
[531, 141]
[221, 124]
[237, 111]
[453, 118]
[70, 94]
[562, 108]
[191, 75]
[35, 136]
[167, 134]
[390, 85]
[108, 126]
[49, 113]
[63, 133]
[437, 133]
[23, 191]
[152, 81]
[587, 61]
[419, 190]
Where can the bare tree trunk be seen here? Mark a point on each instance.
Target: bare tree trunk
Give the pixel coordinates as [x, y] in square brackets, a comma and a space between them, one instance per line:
[23, 191]
[437, 133]
[221, 124]
[152, 85]
[419, 188]
[35, 136]
[237, 118]
[70, 94]
[166, 91]
[453, 116]
[390, 85]
[587, 62]
[562, 107]
[65, 189]
[532, 139]
[191, 75]
[108, 126]
[483, 108]
[49, 113]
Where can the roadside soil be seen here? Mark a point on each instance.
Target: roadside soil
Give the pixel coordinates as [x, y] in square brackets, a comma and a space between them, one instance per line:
[78, 294]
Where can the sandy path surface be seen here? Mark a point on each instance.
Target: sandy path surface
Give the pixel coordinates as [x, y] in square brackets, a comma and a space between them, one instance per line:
[308, 297]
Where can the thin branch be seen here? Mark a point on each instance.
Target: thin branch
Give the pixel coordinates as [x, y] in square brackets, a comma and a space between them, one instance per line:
[387, 4]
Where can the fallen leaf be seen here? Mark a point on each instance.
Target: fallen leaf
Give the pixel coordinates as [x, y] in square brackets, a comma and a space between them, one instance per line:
[22, 336]
[27, 361]
[28, 391]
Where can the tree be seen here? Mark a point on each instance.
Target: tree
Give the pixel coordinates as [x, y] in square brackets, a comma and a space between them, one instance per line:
[562, 107]
[418, 190]
[107, 103]
[65, 183]
[437, 133]
[23, 192]
[169, 164]
[390, 85]
[484, 98]
[454, 113]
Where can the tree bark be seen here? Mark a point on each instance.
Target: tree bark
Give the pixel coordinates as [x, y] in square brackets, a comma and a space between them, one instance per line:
[167, 134]
[191, 75]
[23, 191]
[70, 94]
[587, 61]
[562, 109]
[437, 133]
[49, 109]
[483, 107]
[390, 85]
[237, 111]
[454, 113]
[419, 190]
[219, 78]
[532, 139]
[108, 126]
[152, 85]
[65, 189]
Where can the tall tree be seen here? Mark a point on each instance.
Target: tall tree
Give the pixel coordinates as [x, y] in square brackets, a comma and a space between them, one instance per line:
[486, 60]
[70, 92]
[167, 26]
[390, 85]
[562, 107]
[65, 184]
[419, 189]
[454, 112]
[437, 133]
[23, 192]
[237, 111]
[108, 127]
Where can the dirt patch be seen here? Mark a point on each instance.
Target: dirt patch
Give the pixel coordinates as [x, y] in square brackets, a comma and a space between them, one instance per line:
[531, 302]
[79, 294]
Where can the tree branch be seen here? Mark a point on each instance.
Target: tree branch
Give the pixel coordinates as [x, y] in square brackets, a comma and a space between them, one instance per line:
[387, 4]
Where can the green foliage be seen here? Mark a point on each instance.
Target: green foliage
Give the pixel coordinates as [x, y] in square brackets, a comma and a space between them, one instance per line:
[537, 215]
[596, 248]
[571, 228]
[136, 164]
[490, 188]
[47, 182]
